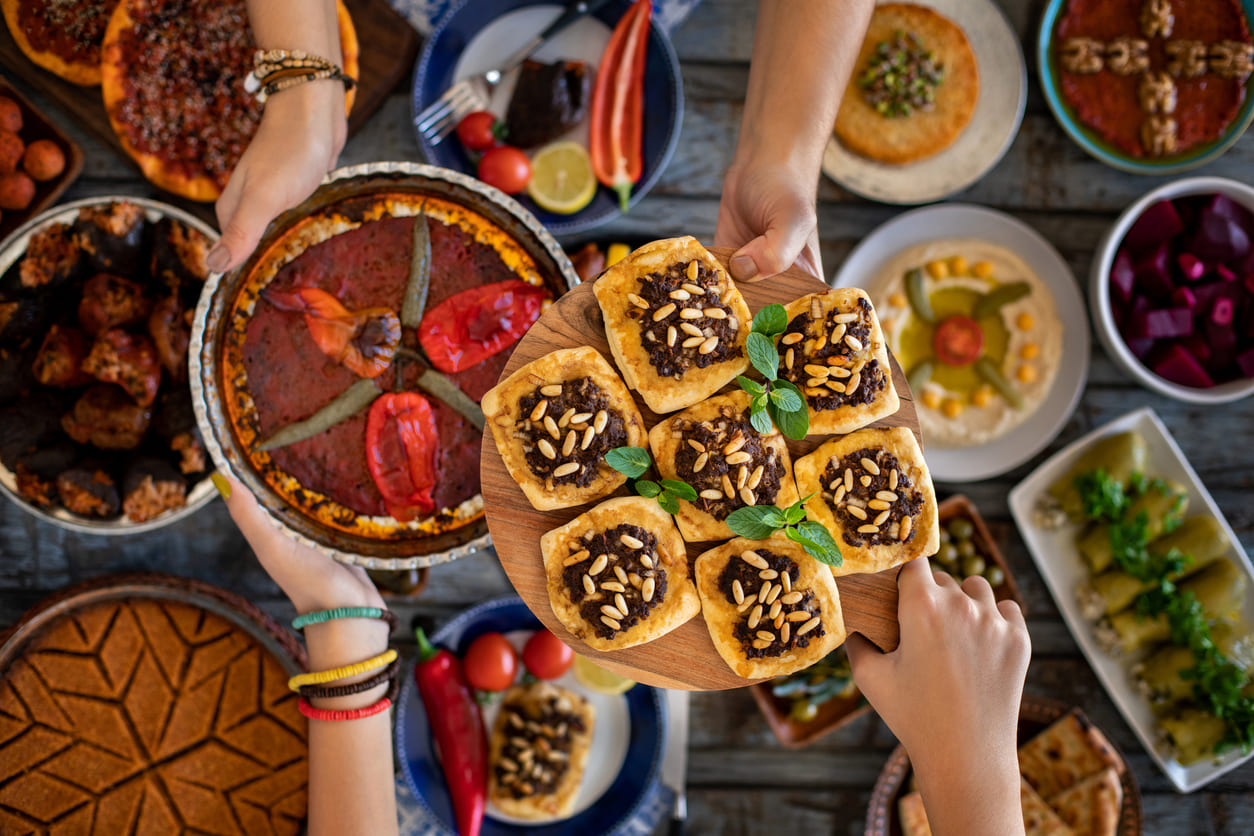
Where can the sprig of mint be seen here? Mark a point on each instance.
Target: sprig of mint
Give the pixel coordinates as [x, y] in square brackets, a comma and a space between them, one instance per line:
[777, 401]
[757, 522]
[634, 462]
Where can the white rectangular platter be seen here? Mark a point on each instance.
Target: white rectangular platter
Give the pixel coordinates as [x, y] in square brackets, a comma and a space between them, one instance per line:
[1063, 569]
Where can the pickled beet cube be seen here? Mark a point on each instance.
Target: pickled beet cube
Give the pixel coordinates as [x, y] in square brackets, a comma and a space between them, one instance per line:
[1219, 239]
[1158, 223]
[1226, 207]
[1153, 275]
[1122, 276]
[1179, 366]
[1222, 311]
[1191, 266]
[1224, 273]
[1196, 345]
[1140, 348]
[1182, 297]
[1162, 323]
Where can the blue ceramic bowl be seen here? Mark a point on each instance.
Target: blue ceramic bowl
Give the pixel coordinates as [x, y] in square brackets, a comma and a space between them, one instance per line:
[621, 803]
[1099, 148]
[663, 102]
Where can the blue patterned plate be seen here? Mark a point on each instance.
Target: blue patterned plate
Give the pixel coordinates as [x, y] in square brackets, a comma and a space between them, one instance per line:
[623, 767]
[475, 32]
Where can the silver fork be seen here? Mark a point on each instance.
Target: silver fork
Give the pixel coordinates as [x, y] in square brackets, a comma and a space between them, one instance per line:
[438, 119]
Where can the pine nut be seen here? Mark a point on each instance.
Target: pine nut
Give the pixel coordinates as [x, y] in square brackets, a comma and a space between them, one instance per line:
[715, 313]
[755, 560]
[598, 565]
[546, 449]
[664, 311]
[568, 446]
[637, 301]
[870, 467]
[588, 585]
[630, 542]
[552, 390]
[792, 338]
[708, 346]
[808, 626]
[855, 511]
[538, 413]
[680, 295]
[646, 590]
[700, 463]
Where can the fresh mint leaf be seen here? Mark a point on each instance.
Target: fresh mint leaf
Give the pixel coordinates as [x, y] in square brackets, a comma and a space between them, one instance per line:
[669, 503]
[647, 488]
[629, 461]
[760, 419]
[762, 355]
[680, 489]
[817, 541]
[795, 425]
[786, 399]
[752, 521]
[771, 320]
[750, 386]
[795, 513]
[775, 516]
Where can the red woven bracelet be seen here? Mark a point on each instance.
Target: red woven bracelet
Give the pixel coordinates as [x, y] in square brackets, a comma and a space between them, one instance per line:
[343, 714]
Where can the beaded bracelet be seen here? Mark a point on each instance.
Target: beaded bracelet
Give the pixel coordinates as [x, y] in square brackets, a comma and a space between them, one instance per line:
[321, 616]
[388, 674]
[343, 713]
[280, 69]
[343, 672]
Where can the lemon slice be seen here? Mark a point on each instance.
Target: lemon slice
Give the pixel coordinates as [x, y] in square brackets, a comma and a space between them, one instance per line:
[562, 180]
[599, 679]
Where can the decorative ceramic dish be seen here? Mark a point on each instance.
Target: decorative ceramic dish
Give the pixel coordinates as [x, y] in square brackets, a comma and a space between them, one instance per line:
[1035, 713]
[1060, 564]
[14, 248]
[370, 200]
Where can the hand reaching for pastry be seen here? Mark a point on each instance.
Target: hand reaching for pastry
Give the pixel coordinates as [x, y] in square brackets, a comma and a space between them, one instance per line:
[950, 693]
[767, 213]
[299, 139]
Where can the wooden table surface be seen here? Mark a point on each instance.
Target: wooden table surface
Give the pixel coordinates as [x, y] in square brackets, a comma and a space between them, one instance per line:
[740, 780]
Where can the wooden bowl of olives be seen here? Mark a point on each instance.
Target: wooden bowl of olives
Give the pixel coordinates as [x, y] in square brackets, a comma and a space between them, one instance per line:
[966, 548]
[804, 706]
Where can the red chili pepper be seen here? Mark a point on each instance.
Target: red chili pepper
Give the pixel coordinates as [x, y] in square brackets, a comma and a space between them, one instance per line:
[365, 340]
[470, 326]
[401, 443]
[457, 725]
[617, 122]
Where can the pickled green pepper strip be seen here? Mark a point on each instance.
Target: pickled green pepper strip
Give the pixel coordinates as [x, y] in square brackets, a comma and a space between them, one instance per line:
[434, 383]
[415, 302]
[347, 404]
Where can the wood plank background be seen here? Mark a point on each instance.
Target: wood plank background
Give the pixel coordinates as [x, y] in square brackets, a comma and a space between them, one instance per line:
[740, 780]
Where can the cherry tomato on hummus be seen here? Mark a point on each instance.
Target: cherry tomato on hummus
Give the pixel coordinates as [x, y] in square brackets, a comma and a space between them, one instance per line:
[546, 656]
[958, 341]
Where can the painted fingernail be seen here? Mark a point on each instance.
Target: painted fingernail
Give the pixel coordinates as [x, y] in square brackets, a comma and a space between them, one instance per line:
[742, 268]
[223, 486]
[218, 258]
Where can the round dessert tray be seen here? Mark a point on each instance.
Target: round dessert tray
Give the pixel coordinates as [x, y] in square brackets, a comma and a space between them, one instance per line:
[208, 376]
[685, 657]
[14, 247]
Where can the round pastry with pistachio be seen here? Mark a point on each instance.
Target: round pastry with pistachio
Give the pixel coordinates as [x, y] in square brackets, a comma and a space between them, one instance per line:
[714, 448]
[834, 351]
[554, 420]
[977, 333]
[873, 492]
[675, 322]
[771, 609]
[617, 574]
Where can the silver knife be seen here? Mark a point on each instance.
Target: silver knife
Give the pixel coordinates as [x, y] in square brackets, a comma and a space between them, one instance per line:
[675, 758]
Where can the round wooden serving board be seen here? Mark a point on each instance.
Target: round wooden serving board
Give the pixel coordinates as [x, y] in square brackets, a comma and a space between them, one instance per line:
[684, 658]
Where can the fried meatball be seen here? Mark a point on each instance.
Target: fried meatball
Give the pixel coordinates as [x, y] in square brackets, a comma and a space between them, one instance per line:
[128, 360]
[106, 417]
[110, 301]
[60, 359]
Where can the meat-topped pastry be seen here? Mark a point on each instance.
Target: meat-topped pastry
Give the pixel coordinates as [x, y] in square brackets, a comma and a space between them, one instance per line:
[555, 419]
[618, 574]
[675, 322]
[539, 749]
[771, 609]
[834, 351]
[713, 447]
[873, 492]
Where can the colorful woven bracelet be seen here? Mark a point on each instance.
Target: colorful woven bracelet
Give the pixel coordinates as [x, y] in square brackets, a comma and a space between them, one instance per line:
[343, 672]
[300, 622]
[330, 691]
[343, 713]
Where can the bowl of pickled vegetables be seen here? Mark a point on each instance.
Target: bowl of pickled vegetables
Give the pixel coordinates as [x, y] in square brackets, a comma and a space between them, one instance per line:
[804, 706]
[967, 548]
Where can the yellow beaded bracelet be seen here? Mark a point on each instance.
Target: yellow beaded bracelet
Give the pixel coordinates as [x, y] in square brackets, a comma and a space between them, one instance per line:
[343, 672]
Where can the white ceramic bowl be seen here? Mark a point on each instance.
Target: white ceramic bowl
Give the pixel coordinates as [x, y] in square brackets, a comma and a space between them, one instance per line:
[1099, 291]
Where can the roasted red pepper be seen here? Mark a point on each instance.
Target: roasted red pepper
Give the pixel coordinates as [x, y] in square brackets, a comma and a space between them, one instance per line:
[616, 125]
[470, 326]
[365, 341]
[401, 442]
[457, 726]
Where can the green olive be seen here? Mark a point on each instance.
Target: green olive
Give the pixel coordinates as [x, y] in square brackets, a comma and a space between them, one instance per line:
[995, 576]
[948, 556]
[803, 711]
[967, 549]
[944, 535]
[961, 528]
[973, 565]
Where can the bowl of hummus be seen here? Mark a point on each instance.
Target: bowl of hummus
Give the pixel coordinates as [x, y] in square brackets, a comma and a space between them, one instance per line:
[989, 326]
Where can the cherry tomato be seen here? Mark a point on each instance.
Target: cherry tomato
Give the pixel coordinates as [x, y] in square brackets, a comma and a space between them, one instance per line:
[490, 663]
[545, 655]
[505, 167]
[477, 130]
[958, 341]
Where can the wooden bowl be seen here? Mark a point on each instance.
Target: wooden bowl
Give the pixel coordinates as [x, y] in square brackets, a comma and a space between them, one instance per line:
[960, 506]
[36, 126]
[794, 734]
[1035, 713]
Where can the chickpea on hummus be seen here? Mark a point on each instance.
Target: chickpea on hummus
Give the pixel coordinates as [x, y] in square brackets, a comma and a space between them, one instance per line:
[977, 333]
